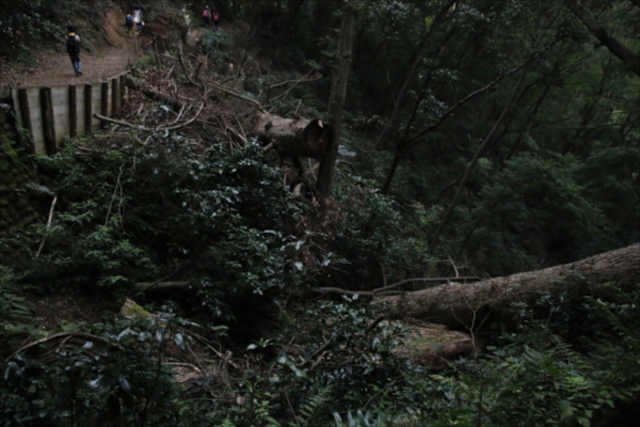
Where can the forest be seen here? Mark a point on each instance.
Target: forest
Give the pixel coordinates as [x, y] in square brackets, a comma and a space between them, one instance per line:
[345, 213]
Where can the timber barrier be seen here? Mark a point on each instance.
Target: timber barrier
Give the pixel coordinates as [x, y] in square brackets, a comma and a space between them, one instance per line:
[53, 112]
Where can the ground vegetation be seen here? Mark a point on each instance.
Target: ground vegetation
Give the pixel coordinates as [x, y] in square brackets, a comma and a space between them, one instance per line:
[471, 258]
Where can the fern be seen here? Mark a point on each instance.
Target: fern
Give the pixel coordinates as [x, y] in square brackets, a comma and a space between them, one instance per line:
[311, 411]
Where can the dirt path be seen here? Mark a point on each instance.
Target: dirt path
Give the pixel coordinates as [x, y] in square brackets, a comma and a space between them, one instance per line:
[54, 68]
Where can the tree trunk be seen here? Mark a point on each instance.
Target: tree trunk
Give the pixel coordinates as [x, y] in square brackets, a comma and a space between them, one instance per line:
[626, 55]
[337, 97]
[458, 305]
[397, 155]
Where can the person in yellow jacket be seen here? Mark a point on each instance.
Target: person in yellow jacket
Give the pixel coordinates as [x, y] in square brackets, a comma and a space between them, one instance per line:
[73, 49]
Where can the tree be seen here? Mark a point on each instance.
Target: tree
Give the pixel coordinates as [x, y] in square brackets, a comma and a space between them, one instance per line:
[338, 95]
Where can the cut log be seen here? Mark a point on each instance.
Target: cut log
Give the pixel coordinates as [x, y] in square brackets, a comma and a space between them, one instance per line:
[433, 345]
[294, 137]
[458, 305]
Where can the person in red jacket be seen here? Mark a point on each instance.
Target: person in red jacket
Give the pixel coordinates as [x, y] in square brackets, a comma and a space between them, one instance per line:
[206, 15]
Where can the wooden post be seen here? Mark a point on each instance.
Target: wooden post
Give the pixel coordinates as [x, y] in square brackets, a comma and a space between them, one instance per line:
[115, 96]
[73, 112]
[104, 103]
[123, 89]
[25, 114]
[88, 113]
[48, 130]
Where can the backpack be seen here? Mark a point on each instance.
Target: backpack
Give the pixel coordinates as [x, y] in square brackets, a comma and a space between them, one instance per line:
[129, 21]
[216, 16]
[205, 13]
[72, 44]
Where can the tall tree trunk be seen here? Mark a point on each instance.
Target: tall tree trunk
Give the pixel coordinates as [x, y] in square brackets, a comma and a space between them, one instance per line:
[392, 170]
[338, 96]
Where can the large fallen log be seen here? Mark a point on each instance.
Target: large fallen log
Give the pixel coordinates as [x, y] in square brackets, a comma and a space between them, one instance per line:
[460, 305]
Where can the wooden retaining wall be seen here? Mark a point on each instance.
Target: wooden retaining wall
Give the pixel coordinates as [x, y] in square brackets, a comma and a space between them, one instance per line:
[54, 112]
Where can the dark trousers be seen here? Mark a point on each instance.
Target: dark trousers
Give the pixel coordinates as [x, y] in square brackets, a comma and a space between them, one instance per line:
[75, 61]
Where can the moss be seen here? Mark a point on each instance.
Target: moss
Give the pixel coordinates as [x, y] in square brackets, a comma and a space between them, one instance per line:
[133, 309]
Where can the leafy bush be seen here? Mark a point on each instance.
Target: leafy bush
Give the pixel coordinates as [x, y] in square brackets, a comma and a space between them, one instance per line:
[14, 310]
[114, 378]
[219, 220]
[541, 202]
[537, 381]
[377, 239]
[217, 44]
[24, 20]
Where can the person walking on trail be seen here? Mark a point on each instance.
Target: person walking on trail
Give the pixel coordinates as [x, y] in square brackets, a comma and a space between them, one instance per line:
[186, 16]
[206, 15]
[129, 23]
[216, 18]
[137, 19]
[73, 49]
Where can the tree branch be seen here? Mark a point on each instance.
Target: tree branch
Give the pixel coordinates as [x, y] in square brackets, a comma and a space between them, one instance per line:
[598, 31]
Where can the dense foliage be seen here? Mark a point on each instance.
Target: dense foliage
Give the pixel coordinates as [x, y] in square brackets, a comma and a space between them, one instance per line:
[480, 138]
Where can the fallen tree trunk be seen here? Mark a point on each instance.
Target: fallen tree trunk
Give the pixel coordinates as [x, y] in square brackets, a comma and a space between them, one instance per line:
[460, 305]
[146, 286]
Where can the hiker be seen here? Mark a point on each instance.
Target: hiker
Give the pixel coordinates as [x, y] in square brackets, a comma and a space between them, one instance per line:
[129, 23]
[206, 15]
[137, 19]
[73, 49]
[216, 18]
[186, 16]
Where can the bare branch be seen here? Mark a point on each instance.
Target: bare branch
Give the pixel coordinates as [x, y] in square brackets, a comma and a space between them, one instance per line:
[44, 239]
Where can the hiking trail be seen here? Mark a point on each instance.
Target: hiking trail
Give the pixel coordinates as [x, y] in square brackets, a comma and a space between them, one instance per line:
[54, 67]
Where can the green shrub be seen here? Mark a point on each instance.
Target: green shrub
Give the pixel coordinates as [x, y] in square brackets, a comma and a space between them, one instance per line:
[375, 238]
[219, 220]
[113, 377]
[14, 311]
